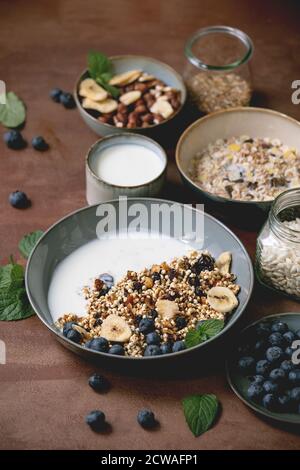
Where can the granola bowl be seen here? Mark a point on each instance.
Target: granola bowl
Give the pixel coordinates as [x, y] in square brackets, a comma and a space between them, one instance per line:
[151, 67]
[236, 160]
[72, 253]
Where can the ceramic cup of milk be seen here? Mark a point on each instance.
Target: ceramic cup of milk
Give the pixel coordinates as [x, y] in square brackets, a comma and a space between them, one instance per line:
[129, 165]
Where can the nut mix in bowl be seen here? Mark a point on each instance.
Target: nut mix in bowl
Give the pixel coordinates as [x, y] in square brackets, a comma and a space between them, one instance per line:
[131, 99]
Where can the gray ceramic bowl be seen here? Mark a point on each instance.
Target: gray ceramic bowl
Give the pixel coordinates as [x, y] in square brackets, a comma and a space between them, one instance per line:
[78, 228]
[131, 62]
[255, 122]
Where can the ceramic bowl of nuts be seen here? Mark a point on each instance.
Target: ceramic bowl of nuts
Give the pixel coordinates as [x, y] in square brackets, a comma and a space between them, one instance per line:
[239, 160]
[128, 94]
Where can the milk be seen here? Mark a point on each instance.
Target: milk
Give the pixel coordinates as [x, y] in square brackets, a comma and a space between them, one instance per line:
[114, 256]
[127, 165]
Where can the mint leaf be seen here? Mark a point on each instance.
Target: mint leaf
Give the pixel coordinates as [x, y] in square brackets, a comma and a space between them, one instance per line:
[28, 242]
[14, 304]
[114, 91]
[13, 113]
[200, 412]
[205, 331]
[193, 338]
[98, 64]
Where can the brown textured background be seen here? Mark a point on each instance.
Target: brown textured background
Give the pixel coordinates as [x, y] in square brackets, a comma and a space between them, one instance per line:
[44, 394]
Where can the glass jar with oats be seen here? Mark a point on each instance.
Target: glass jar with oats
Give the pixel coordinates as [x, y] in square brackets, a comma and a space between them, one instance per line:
[217, 70]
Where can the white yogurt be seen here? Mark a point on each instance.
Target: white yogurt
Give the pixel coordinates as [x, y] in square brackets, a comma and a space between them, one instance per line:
[127, 165]
[114, 256]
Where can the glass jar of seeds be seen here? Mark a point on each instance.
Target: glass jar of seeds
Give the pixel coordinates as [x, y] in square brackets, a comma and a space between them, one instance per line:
[278, 245]
[217, 70]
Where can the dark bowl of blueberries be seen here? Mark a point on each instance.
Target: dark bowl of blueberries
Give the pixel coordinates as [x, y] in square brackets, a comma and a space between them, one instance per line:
[264, 367]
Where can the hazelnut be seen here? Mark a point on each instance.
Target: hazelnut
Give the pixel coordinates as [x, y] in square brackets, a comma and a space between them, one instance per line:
[141, 109]
[122, 108]
[148, 118]
[141, 87]
[121, 117]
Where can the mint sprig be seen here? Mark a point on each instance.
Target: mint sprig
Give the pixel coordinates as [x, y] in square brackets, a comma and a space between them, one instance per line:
[200, 412]
[101, 70]
[13, 112]
[28, 242]
[206, 330]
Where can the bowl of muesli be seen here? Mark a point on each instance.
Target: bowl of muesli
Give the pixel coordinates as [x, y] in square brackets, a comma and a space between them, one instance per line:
[138, 297]
[241, 159]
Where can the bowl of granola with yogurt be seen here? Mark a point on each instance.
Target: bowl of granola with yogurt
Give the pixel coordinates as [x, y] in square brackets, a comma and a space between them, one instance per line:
[242, 157]
[137, 296]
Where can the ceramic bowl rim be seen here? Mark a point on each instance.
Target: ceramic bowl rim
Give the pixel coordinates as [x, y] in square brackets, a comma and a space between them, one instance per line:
[130, 358]
[195, 124]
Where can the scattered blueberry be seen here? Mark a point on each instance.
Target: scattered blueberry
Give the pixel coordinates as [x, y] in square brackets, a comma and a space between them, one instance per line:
[14, 140]
[276, 339]
[153, 338]
[178, 346]
[294, 376]
[117, 350]
[270, 387]
[96, 420]
[262, 367]
[274, 354]
[55, 94]
[156, 276]
[153, 313]
[263, 329]
[270, 402]
[278, 375]
[258, 379]
[74, 335]
[287, 366]
[295, 394]
[146, 419]
[255, 391]
[180, 323]
[67, 100]
[98, 383]
[246, 364]
[289, 336]
[68, 326]
[19, 200]
[39, 143]
[98, 344]
[146, 325]
[107, 279]
[279, 327]
[152, 350]
[166, 348]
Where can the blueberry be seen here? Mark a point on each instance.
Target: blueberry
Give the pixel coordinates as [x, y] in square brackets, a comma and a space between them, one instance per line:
[289, 336]
[166, 348]
[19, 200]
[74, 335]
[257, 379]
[68, 326]
[98, 383]
[178, 346]
[67, 100]
[152, 350]
[287, 366]
[295, 394]
[270, 402]
[146, 419]
[98, 344]
[107, 279]
[138, 318]
[276, 339]
[289, 351]
[274, 354]
[260, 346]
[262, 367]
[255, 391]
[278, 375]
[246, 364]
[270, 387]
[117, 350]
[279, 327]
[284, 402]
[146, 325]
[96, 420]
[153, 338]
[263, 329]
[153, 313]
[39, 143]
[55, 94]
[156, 277]
[180, 323]
[294, 376]
[298, 334]
[14, 140]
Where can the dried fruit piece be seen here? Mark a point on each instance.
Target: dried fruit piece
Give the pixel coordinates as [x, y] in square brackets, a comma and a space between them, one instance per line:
[223, 262]
[80, 330]
[106, 106]
[115, 328]
[148, 282]
[222, 299]
[130, 97]
[163, 108]
[89, 88]
[167, 309]
[125, 78]
[146, 78]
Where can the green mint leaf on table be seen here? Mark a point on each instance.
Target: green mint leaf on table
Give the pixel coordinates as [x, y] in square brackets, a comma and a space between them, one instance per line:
[14, 304]
[205, 331]
[13, 113]
[200, 412]
[28, 242]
